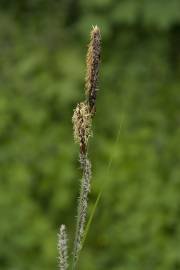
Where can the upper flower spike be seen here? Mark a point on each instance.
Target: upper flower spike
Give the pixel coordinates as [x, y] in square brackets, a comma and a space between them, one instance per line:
[93, 61]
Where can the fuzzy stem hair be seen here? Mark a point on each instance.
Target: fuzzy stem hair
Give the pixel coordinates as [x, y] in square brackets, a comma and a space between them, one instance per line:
[62, 247]
[82, 206]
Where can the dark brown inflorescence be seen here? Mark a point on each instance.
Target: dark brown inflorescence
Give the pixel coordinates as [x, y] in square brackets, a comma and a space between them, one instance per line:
[93, 61]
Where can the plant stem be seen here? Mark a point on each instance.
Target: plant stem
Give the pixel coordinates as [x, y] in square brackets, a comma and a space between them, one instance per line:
[82, 207]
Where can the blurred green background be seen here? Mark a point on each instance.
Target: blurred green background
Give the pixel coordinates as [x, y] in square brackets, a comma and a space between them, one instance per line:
[43, 46]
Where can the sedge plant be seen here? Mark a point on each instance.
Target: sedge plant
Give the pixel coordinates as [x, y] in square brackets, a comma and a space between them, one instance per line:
[82, 124]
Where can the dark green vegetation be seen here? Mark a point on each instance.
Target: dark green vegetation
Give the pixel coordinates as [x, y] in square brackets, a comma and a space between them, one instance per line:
[42, 63]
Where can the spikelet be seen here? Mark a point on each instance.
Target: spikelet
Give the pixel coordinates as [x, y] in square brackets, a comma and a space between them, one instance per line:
[92, 62]
[62, 247]
[83, 204]
[82, 125]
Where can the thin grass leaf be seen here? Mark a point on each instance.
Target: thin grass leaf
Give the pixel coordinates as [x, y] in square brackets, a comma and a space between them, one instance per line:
[109, 166]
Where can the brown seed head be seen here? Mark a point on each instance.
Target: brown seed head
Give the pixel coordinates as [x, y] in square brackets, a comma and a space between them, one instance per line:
[93, 61]
[82, 126]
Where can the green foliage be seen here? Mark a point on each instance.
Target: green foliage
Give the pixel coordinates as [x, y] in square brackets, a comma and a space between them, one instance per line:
[136, 225]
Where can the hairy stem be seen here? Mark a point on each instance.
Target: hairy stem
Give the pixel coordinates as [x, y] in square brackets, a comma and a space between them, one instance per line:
[82, 207]
[62, 247]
